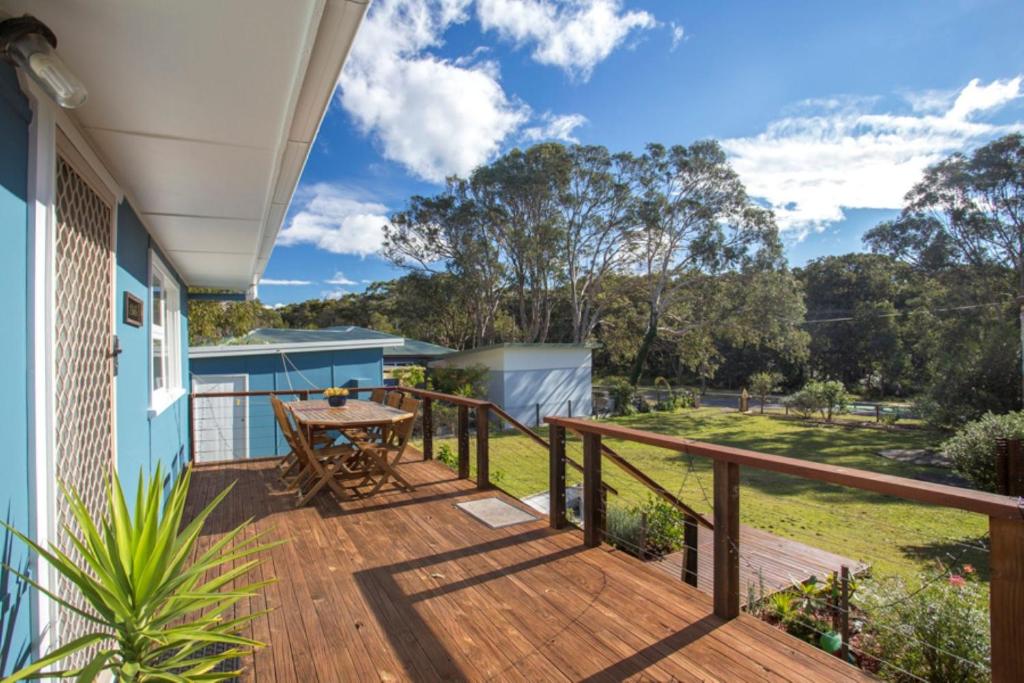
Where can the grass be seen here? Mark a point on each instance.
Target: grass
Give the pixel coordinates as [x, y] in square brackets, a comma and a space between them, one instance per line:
[895, 537]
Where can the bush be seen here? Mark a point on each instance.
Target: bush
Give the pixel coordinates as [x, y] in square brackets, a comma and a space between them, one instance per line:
[664, 528]
[448, 457]
[410, 375]
[764, 383]
[939, 633]
[972, 448]
[624, 395]
[470, 382]
[827, 398]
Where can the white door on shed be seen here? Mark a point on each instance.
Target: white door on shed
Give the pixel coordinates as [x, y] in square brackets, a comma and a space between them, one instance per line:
[220, 422]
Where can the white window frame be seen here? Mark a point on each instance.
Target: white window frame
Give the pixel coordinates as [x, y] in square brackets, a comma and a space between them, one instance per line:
[169, 332]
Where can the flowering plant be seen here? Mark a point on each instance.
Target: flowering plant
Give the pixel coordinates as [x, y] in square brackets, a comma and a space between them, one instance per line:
[335, 391]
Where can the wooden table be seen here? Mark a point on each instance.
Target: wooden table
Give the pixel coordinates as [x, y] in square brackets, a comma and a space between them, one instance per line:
[353, 420]
[355, 414]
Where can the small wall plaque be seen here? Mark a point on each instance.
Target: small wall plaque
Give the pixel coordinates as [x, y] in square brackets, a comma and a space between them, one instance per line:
[132, 310]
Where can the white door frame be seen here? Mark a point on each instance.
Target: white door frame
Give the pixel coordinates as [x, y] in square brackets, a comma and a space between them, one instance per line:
[48, 122]
[227, 377]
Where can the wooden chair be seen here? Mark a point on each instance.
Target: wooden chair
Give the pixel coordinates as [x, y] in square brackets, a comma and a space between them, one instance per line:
[383, 458]
[317, 467]
[289, 462]
[321, 471]
[394, 399]
[378, 395]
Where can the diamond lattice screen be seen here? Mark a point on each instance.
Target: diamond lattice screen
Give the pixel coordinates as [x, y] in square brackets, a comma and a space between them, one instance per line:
[82, 365]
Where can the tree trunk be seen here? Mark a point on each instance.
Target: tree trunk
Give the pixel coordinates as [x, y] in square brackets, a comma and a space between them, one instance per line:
[645, 348]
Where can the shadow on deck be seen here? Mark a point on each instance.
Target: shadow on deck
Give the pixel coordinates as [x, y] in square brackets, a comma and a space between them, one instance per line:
[402, 586]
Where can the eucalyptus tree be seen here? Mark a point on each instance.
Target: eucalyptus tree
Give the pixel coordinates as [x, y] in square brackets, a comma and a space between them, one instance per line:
[519, 195]
[448, 233]
[598, 233]
[965, 211]
[693, 216]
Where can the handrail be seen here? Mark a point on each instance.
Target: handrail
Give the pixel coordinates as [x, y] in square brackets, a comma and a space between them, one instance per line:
[993, 505]
[633, 471]
[498, 410]
[621, 462]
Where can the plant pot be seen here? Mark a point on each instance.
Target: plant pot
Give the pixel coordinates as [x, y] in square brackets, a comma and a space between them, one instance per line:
[336, 401]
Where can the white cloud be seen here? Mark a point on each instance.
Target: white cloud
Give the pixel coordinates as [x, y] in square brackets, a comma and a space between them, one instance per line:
[678, 34]
[574, 35]
[809, 167]
[435, 116]
[439, 117]
[332, 294]
[332, 220]
[555, 127]
[340, 279]
[286, 283]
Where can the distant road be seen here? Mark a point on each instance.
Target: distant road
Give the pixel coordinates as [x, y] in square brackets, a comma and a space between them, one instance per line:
[731, 399]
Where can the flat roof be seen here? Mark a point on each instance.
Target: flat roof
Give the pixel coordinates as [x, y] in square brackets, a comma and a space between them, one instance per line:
[286, 340]
[551, 346]
[416, 347]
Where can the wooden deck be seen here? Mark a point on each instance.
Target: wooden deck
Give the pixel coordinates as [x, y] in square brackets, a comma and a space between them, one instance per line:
[767, 562]
[406, 587]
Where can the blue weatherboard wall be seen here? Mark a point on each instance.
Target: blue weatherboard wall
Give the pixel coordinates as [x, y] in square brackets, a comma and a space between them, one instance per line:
[142, 441]
[15, 500]
[266, 372]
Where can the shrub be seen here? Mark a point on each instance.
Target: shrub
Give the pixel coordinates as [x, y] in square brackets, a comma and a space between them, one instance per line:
[972, 448]
[410, 375]
[447, 456]
[156, 600]
[828, 398]
[936, 633]
[470, 382]
[764, 383]
[664, 528]
[624, 395]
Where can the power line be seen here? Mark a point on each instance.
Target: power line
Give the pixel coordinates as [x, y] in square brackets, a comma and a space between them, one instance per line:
[903, 312]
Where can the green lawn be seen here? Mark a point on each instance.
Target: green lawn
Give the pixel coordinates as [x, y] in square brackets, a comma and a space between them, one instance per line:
[893, 536]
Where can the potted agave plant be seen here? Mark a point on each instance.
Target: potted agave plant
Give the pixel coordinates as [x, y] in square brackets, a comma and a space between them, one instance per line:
[157, 610]
[336, 396]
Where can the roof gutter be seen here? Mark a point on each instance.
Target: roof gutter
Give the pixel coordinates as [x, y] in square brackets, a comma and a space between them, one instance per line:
[335, 34]
[297, 347]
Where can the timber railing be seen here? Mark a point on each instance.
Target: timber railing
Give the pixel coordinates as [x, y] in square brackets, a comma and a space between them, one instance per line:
[1005, 518]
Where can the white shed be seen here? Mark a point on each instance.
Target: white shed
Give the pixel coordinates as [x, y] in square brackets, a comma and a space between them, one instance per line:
[532, 380]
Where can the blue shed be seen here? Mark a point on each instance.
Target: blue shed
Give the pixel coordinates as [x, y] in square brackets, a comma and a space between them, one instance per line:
[243, 426]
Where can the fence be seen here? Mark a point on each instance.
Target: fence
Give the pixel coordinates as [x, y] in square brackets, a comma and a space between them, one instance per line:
[1005, 519]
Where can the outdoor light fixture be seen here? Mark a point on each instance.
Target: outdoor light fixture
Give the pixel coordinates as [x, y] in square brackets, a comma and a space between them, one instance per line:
[29, 44]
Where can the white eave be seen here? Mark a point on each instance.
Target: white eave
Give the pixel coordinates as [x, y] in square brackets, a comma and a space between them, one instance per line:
[298, 347]
[204, 113]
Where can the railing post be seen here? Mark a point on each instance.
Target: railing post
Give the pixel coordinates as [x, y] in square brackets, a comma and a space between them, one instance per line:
[537, 410]
[483, 467]
[428, 429]
[727, 539]
[690, 550]
[1006, 598]
[591, 489]
[844, 611]
[192, 428]
[556, 477]
[1009, 467]
[463, 439]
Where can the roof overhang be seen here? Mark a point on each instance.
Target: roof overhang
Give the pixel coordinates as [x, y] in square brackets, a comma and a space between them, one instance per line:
[204, 113]
[304, 347]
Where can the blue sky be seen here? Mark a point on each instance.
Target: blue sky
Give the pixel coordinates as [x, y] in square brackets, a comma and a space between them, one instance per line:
[828, 110]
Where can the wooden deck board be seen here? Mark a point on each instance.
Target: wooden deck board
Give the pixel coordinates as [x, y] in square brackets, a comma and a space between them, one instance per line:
[766, 560]
[402, 586]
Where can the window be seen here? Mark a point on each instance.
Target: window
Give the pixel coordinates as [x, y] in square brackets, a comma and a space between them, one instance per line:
[165, 336]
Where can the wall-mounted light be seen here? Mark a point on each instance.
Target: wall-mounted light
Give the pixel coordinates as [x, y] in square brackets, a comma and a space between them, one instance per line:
[30, 44]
